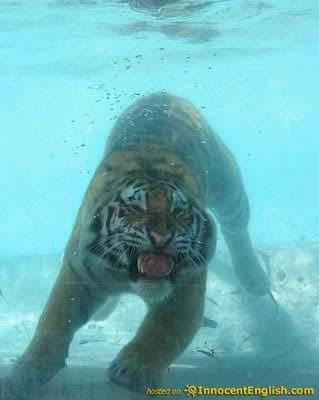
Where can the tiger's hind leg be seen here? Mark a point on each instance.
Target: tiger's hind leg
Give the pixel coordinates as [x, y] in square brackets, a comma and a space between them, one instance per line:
[70, 305]
[229, 201]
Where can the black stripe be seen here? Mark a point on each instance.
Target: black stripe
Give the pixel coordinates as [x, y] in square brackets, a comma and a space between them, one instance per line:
[110, 258]
[130, 182]
[96, 223]
[171, 186]
[118, 198]
[197, 221]
[91, 247]
[138, 186]
[110, 212]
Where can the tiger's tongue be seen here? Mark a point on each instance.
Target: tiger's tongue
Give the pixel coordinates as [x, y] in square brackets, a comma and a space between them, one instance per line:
[154, 265]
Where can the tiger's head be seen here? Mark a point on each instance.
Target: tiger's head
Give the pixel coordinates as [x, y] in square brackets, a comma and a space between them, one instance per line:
[153, 231]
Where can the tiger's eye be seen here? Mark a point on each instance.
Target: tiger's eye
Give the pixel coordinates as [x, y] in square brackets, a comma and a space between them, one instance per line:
[123, 211]
[134, 208]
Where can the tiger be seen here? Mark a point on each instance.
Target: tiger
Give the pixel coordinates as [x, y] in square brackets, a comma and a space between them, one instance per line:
[147, 225]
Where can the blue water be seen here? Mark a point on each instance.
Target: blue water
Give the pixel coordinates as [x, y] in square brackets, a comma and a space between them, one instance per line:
[69, 68]
[252, 66]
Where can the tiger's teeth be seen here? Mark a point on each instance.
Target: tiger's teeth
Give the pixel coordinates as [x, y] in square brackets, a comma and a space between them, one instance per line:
[140, 266]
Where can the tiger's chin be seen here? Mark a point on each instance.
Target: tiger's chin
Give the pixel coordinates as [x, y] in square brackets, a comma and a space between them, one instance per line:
[153, 290]
[152, 276]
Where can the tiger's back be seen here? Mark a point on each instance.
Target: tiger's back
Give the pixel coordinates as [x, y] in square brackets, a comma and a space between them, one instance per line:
[169, 134]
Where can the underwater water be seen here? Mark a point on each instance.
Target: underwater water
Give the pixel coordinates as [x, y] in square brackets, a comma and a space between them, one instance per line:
[68, 69]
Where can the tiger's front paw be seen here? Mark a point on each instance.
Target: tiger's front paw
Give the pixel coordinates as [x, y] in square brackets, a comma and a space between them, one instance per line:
[24, 381]
[8, 391]
[131, 370]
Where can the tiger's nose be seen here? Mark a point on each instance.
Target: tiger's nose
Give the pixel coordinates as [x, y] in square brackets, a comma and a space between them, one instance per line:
[159, 239]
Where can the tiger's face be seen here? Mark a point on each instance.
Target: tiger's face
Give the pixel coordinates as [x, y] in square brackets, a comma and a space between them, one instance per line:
[155, 233]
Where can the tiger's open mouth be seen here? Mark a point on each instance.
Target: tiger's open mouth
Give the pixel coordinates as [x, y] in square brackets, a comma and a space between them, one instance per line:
[149, 265]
